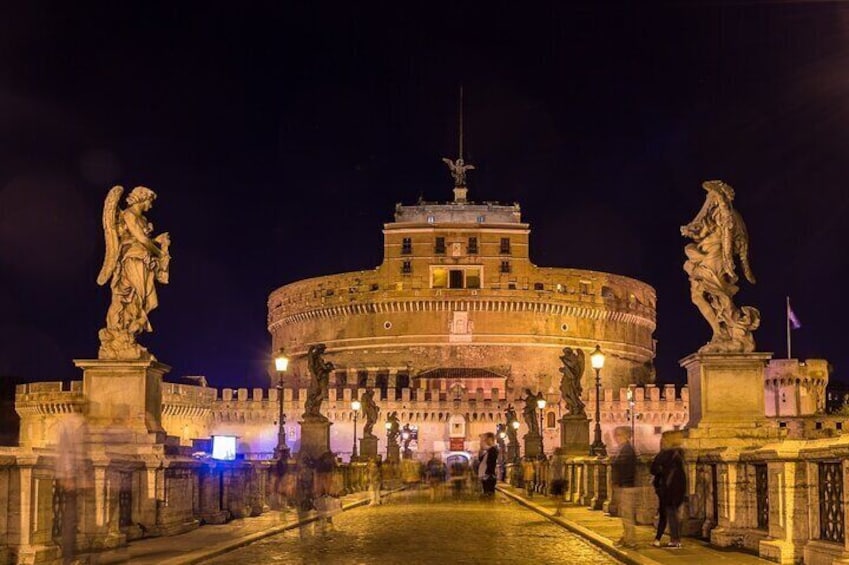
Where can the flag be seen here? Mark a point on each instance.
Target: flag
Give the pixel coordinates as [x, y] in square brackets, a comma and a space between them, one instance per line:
[794, 321]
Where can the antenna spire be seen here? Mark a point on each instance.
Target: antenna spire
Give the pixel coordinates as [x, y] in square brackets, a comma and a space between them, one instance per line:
[461, 122]
[458, 168]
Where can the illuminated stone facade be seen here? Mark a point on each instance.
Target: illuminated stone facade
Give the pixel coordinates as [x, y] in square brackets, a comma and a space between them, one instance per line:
[457, 290]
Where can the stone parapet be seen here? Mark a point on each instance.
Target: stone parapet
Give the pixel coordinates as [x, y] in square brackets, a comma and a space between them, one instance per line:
[49, 399]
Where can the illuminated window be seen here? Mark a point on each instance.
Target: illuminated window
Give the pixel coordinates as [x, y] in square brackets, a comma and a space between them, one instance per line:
[407, 246]
[430, 219]
[439, 278]
[473, 278]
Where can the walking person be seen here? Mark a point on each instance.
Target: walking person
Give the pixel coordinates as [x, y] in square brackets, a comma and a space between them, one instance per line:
[670, 485]
[487, 463]
[558, 482]
[624, 471]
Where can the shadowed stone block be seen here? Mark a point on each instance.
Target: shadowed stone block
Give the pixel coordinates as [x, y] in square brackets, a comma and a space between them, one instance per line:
[368, 447]
[315, 438]
[574, 435]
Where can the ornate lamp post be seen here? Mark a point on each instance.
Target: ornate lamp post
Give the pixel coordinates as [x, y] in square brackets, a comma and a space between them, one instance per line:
[597, 361]
[541, 405]
[281, 363]
[355, 406]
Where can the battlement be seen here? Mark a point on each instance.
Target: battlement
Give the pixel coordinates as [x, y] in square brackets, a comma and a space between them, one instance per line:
[651, 405]
[49, 398]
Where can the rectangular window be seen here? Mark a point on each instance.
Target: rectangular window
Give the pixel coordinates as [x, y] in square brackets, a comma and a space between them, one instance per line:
[473, 245]
[439, 247]
[407, 246]
[473, 278]
[407, 267]
[539, 286]
[505, 245]
[584, 287]
[439, 278]
[455, 278]
[505, 266]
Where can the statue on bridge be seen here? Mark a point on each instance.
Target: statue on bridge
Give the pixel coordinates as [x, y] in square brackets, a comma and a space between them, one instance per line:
[393, 428]
[529, 412]
[371, 412]
[719, 241]
[319, 379]
[133, 263]
[510, 417]
[570, 383]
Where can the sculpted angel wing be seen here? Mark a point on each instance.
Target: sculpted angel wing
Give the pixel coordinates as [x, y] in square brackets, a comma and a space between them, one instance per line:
[110, 234]
[581, 364]
[448, 162]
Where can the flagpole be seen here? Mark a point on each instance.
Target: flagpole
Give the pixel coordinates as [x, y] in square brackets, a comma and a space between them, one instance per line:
[787, 315]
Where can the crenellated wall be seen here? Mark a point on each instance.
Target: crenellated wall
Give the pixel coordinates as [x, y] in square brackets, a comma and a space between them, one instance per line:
[44, 407]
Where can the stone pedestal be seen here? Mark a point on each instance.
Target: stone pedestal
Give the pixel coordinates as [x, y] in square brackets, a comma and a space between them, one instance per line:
[315, 437]
[531, 445]
[368, 448]
[512, 452]
[393, 452]
[726, 389]
[124, 400]
[574, 435]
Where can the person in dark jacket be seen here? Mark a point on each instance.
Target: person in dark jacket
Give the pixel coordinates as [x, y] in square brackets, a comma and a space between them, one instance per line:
[624, 472]
[487, 463]
[670, 484]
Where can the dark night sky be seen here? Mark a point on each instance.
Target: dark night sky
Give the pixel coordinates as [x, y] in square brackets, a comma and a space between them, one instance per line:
[279, 139]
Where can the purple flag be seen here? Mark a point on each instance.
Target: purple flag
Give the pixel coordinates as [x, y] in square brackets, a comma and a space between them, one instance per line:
[794, 321]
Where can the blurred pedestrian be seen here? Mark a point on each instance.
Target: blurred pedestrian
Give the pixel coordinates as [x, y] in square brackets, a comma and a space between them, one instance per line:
[670, 485]
[558, 482]
[375, 475]
[624, 471]
[487, 462]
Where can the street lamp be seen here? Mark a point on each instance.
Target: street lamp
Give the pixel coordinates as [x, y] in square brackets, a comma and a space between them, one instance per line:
[541, 405]
[406, 437]
[355, 406]
[281, 363]
[597, 361]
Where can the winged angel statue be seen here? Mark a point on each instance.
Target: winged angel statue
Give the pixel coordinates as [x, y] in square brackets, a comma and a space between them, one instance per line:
[458, 170]
[570, 383]
[134, 262]
[719, 241]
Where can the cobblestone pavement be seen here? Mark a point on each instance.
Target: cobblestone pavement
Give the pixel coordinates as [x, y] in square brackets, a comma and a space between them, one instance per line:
[411, 528]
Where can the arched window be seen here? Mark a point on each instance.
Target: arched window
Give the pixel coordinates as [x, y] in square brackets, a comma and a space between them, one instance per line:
[551, 420]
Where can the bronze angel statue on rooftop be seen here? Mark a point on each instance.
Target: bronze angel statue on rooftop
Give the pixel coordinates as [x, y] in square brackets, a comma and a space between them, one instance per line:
[134, 262]
[720, 241]
[458, 170]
